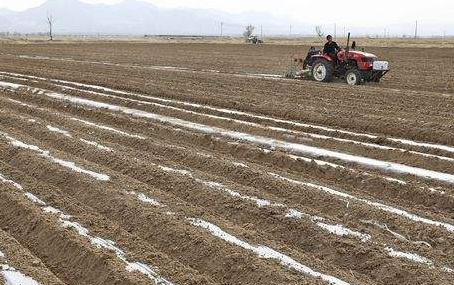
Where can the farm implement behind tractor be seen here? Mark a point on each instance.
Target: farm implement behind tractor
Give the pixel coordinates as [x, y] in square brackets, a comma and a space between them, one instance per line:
[355, 67]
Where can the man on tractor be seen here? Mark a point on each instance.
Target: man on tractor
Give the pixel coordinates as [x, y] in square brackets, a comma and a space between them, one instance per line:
[331, 48]
[355, 67]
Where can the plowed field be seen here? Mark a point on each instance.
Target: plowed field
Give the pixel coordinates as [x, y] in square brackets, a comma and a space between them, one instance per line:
[199, 164]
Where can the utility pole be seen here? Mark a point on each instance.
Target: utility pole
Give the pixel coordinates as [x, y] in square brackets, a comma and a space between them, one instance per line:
[222, 24]
[335, 32]
[290, 30]
[261, 31]
[384, 35]
[416, 30]
[345, 32]
[50, 23]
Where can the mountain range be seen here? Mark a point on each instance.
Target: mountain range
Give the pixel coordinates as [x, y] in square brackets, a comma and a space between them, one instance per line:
[133, 17]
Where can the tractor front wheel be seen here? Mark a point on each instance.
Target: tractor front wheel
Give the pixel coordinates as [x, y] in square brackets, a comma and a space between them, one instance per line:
[322, 71]
[353, 77]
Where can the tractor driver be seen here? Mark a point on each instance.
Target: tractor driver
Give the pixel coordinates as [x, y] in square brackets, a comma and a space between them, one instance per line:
[331, 48]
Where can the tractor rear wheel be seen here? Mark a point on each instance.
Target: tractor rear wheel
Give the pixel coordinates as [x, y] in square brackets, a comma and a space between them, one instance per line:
[353, 77]
[322, 71]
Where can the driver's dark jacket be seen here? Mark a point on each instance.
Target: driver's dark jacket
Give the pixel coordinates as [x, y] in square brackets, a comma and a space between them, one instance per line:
[331, 48]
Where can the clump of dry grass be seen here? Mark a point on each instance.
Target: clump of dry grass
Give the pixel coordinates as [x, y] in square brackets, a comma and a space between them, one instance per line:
[291, 72]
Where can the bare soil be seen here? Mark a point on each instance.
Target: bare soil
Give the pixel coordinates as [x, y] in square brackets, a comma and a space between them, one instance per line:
[160, 120]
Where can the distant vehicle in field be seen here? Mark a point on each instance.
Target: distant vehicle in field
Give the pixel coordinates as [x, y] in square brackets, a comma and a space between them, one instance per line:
[254, 40]
[355, 67]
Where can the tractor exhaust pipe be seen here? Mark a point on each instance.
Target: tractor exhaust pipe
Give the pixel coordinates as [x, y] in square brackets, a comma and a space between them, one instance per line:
[348, 46]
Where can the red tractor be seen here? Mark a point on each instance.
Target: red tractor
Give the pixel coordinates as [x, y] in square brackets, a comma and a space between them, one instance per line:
[354, 66]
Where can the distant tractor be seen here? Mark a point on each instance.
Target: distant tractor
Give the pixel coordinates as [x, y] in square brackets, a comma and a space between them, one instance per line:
[254, 40]
[355, 67]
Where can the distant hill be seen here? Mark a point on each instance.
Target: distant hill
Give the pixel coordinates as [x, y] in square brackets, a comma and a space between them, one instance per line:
[133, 17]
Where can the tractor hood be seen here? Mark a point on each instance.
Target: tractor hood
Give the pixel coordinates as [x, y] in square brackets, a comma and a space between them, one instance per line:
[362, 54]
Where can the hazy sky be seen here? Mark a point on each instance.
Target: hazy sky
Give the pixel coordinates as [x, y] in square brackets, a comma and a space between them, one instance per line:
[343, 12]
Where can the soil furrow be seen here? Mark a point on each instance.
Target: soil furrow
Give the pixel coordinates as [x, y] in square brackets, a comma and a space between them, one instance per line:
[124, 209]
[165, 163]
[198, 198]
[421, 132]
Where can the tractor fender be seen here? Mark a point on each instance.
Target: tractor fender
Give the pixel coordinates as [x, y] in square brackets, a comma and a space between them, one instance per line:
[322, 56]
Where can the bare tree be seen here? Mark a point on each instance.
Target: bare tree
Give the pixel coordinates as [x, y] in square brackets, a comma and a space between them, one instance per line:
[320, 33]
[50, 23]
[249, 31]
